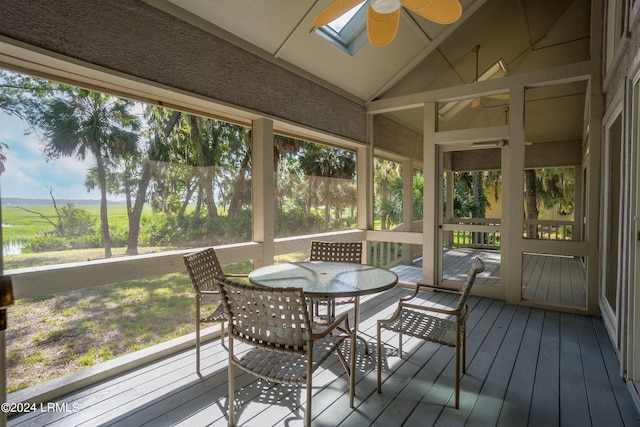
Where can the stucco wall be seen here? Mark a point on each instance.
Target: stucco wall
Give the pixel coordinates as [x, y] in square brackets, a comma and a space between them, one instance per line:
[392, 136]
[618, 73]
[136, 39]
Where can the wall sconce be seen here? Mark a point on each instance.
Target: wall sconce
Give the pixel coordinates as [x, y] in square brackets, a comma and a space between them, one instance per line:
[6, 299]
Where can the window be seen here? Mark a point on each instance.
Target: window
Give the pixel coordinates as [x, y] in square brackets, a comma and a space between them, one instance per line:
[316, 187]
[190, 173]
[348, 32]
[61, 145]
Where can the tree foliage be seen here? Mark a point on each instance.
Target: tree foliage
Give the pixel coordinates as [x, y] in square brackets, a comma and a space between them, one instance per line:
[81, 123]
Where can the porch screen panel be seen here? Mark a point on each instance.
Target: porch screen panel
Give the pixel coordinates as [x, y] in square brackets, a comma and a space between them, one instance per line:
[553, 197]
[101, 196]
[315, 187]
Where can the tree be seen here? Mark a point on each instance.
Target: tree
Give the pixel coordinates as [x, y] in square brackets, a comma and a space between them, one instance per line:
[418, 196]
[469, 199]
[388, 193]
[20, 96]
[327, 164]
[84, 123]
[241, 189]
[550, 188]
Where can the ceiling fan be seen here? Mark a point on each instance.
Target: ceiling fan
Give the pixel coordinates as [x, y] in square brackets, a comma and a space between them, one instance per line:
[499, 66]
[383, 16]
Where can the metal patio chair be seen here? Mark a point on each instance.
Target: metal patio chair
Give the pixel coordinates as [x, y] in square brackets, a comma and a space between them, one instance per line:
[275, 322]
[429, 323]
[336, 252]
[203, 266]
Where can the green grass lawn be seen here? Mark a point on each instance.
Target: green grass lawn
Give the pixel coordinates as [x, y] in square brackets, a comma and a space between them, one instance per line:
[50, 336]
[21, 225]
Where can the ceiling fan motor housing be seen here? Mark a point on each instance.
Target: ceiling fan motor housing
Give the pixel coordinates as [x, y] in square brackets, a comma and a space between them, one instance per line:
[386, 6]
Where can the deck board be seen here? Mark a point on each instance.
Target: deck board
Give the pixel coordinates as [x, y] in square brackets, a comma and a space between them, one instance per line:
[487, 407]
[516, 404]
[545, 402]
[573, 394]
[553, 279]
[526, 366]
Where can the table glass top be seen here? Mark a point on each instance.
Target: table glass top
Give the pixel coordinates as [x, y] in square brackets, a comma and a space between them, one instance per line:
[321, 278]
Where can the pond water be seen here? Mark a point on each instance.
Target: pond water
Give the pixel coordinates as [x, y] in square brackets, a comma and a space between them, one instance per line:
[12, 248]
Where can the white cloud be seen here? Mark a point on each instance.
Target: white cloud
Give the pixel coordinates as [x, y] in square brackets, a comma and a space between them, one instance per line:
[29, 175]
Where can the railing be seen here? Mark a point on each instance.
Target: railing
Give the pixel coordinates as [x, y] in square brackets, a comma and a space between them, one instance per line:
[390, 254]
[548, 230]
[468, 236]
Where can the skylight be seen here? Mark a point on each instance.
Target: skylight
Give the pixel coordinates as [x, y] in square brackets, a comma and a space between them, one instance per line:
[348, 31]
[344, 19]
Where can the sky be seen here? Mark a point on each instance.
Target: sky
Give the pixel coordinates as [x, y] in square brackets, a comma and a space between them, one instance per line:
[29, 175]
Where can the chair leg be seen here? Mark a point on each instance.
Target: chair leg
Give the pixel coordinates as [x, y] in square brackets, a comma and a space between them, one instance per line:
[400, 345]
[307, 414]
[352, 373]
[464, 354]
[198, 334]
[379, 360]
[458, 376]
[222, 333]
[230, 380]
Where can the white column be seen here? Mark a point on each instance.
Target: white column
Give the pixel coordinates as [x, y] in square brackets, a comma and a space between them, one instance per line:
[365, 187]
[429, 222]
[511, 243]
[263, 189]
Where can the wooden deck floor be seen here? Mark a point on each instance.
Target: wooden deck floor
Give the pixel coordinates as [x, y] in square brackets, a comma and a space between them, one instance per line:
[526, 367]
[545, 278]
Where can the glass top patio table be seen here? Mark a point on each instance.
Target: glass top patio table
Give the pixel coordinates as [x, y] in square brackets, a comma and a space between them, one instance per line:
[324, 279]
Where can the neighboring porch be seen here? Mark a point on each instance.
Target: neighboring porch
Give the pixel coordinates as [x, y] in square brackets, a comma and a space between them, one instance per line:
[526, 366]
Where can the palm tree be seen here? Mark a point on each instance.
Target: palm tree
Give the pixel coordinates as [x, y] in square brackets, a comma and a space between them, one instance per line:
[83, 123]
[327, 164]
[388, 193]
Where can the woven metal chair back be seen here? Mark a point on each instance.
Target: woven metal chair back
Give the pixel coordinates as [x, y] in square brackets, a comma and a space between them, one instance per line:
[476, 268]
[203, 267]
[272, 318]
[336, 251]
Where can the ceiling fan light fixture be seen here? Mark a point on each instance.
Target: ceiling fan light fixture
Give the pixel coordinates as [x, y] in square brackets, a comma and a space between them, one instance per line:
[386, 6]
[383, 16]
[382, 27]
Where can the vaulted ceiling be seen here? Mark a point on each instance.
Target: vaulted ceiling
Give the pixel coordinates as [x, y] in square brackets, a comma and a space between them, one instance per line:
[526, 35]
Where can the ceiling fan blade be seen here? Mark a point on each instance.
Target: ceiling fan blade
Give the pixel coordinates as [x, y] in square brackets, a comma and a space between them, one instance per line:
[503, 96]
[382, 27]
[438, 11]
[332, 12]
[415, 4]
